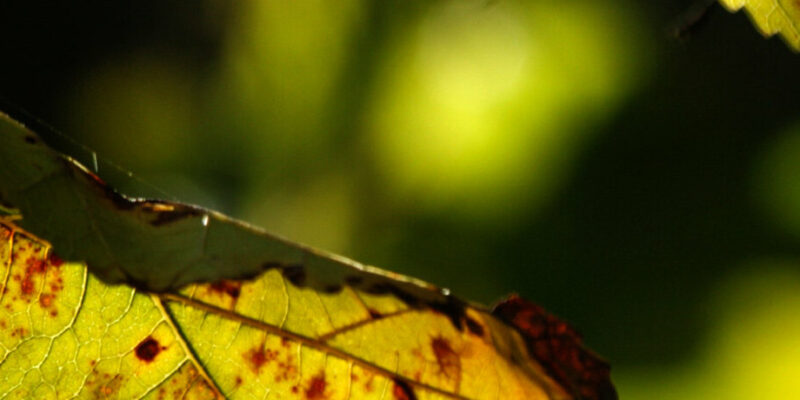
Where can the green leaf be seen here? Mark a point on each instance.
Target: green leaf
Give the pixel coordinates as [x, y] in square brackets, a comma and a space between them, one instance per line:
[771, 17]
[165, 300]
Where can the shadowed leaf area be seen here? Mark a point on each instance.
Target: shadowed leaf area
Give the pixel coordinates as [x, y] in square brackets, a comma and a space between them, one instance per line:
[772, 17]
[182, 302]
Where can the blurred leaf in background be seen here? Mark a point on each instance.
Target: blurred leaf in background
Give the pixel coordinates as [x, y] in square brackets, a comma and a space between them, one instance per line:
[776, 181]
[750, 353]
[485, 105]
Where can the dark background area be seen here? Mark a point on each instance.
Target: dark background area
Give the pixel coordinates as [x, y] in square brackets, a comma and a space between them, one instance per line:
[666, 201]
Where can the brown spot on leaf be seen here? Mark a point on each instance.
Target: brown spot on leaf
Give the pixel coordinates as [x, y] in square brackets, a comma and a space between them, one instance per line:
[316, 387]
[46, 300]
[148, 349]
[368, 383]
[449, 362]
[34, 267]
[31, 139]
[559, 349]
[402, 391]
[227, 287]
[257, 357]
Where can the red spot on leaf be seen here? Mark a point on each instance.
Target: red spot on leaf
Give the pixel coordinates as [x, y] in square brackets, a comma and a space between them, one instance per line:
[316, 387]
[34, 266]
[46, 300]
[259, 356]
[148, 349]
[559, 349]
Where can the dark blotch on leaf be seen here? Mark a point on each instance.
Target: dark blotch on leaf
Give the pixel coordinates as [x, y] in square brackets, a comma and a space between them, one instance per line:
[316, 387]
[332, 289]
[474, 326]
[30, 139]
[449, 362]
[295, 274]
[451, 307]
[230, 288]
[148, 349]
[402, 391]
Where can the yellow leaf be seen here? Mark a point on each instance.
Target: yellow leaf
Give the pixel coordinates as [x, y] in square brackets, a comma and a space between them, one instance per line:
[771, 17]
[301, 324]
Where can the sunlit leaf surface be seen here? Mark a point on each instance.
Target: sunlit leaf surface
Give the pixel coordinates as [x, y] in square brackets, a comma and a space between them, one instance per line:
[277, 321]
[771, 17]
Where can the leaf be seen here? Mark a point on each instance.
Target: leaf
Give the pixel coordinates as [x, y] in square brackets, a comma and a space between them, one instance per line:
[293, 323]
[771, 17]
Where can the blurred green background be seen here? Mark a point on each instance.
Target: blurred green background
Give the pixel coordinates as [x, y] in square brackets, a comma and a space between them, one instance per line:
[645, 188]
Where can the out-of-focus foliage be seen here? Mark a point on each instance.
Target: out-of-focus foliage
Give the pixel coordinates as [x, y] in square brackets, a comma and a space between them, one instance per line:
[771, 17]
[570, 151]
[750, 352]
[479, 102]
[776, 180]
